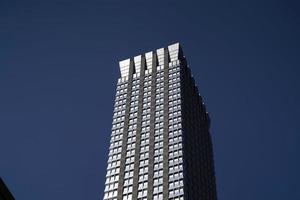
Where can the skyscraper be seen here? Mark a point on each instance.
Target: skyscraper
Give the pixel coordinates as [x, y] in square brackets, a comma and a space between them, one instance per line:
[160, 146]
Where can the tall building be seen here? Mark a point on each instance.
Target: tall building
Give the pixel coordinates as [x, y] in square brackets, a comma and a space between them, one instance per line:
[160, 146]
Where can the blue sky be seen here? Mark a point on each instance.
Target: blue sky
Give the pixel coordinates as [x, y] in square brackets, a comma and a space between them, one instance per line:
[58, 72]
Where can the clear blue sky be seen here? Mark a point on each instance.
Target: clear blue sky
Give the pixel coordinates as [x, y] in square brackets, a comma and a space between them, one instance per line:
[58, 72]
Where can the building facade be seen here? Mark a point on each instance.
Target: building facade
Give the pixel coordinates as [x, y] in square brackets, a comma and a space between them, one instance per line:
[160, 146]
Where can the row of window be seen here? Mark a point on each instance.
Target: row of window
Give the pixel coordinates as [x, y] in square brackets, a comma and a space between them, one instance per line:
[160, 68]
[121, 105]
[159, 95]
[147, 80]
[116, 139]
[120, 109]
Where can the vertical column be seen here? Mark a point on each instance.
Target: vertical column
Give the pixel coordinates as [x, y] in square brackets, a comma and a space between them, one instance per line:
[138, 130]
[166, 127]
[152, 128]
[125, 132]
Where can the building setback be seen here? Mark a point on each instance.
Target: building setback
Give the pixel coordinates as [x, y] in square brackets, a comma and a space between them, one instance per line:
[160, 146]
